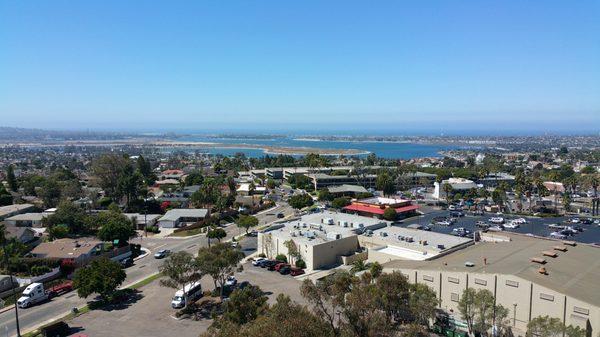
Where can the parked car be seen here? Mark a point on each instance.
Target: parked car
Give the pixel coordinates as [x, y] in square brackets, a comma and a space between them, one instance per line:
[230, 281]
[127, 262]
[270, 264]
[161, 254]
[257, 261]
[281, 265]
[280, 215]
[285, 270]
[296, 271]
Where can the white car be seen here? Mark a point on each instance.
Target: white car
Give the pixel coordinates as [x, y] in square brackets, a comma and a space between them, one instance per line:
[231, 281]
[258, 261]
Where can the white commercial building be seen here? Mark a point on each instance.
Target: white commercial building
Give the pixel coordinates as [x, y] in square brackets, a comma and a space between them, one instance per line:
[458, 184]
[327, 239]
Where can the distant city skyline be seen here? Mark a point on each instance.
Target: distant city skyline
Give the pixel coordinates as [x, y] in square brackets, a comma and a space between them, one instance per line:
[338, 66]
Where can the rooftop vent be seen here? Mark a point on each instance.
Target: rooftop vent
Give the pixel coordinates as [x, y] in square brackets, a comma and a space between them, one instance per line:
[469, 264]
[542, 271]
[550, 253]
[561, 248]
[570, 243]
[538, 260]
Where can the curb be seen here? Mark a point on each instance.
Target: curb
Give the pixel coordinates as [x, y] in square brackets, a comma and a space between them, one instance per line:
[8, 308]
[146, 252]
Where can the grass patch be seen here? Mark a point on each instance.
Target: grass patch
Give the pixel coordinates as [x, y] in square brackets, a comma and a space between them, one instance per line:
[145, 281]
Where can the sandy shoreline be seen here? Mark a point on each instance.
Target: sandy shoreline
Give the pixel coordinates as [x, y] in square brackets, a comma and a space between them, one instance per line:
[267, 149]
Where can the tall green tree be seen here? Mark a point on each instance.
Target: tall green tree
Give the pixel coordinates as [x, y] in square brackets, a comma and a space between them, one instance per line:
[244, 305]
[108, 170]
[180, 269]
[215, 233]
[219, 261]
[246, 222]
[102, 276]
[5, 197]
[11, 179]
[385, 183]
[115, 226]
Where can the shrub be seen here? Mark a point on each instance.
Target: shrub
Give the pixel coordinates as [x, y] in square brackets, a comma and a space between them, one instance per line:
[340, 202]
[389, 214]
[301, 264]
[281, 258]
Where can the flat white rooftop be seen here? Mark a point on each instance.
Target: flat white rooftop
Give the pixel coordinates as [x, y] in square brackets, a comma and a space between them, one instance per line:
[383, 201]
[317, 228]
[404, 253]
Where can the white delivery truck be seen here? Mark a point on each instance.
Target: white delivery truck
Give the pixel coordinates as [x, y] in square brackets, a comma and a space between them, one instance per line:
[34, 293]
[191, 291]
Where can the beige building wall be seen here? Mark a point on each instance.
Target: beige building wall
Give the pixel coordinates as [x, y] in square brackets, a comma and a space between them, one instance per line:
[511, 290]
[531, 299]
[546, 301]
[452, 284]
[583, 315]
[316, 256]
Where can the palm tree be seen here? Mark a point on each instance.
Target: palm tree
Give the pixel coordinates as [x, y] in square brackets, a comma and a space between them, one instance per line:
[448, 191]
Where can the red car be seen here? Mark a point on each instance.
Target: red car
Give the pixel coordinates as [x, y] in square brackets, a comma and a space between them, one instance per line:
[280, 265]
[296, 271]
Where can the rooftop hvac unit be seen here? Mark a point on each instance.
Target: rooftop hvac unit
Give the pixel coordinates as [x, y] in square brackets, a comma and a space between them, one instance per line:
[361, 225]
[334, 236]
[328, 221]
[304, 225]
[383, 234]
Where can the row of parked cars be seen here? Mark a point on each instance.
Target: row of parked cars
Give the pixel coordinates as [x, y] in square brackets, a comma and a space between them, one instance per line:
[273, 265]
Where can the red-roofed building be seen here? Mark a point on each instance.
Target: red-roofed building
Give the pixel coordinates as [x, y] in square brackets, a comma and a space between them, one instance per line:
[171, 174]
[376, 206]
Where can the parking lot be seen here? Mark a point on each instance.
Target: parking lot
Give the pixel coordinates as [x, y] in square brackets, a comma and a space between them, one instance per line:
[535, 225]
[152, 315]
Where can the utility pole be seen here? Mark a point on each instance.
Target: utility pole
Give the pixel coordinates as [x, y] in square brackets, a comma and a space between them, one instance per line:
[12, 281]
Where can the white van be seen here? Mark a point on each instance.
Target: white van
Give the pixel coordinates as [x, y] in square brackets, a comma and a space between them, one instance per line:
[192, 291]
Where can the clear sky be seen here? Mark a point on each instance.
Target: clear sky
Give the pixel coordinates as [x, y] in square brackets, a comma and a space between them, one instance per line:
[313, 65]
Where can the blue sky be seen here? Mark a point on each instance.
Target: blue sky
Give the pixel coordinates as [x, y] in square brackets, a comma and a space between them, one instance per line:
[330, 65]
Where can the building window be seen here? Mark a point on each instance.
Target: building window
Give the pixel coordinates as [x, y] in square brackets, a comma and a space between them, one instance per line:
[582, 311]
[453, 280]
[481, 282]
[547, 297]
[512, 283]
[427, 278]
[454, 297]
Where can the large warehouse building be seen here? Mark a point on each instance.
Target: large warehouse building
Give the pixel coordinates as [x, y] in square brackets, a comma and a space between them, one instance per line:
[529, 276]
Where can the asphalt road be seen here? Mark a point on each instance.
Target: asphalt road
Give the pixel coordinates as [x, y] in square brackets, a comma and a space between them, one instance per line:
[43, 313]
